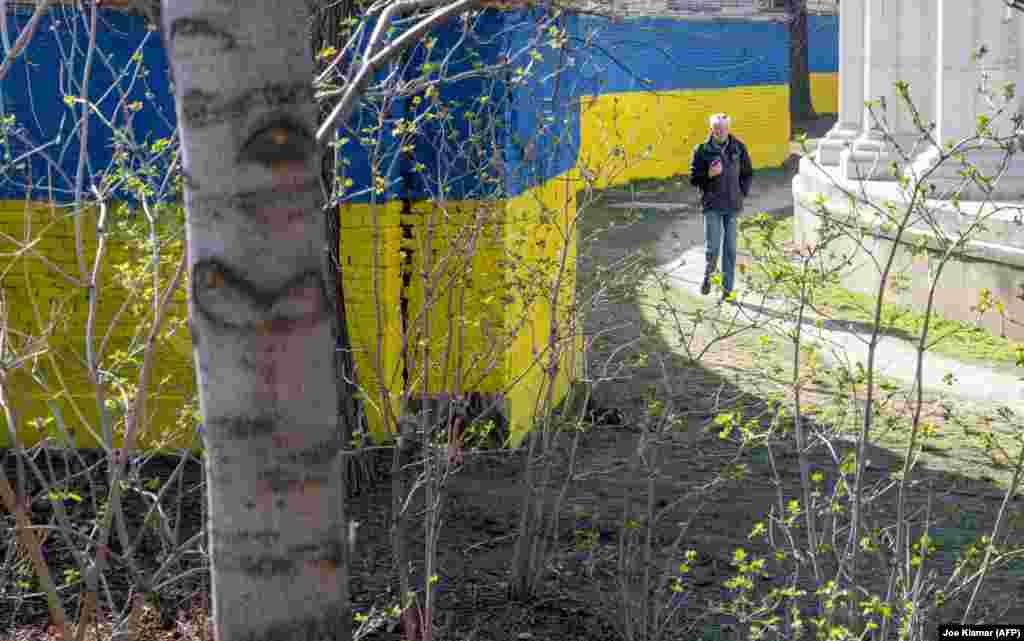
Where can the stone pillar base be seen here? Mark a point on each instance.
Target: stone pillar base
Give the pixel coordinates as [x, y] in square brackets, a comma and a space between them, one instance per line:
[947, 178]
[870, 158]
[840, 137]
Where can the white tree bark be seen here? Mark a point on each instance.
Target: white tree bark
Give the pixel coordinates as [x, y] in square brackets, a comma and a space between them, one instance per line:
[263, 330]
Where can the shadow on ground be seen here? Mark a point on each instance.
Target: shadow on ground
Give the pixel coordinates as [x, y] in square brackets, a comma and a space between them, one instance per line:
[701, 390]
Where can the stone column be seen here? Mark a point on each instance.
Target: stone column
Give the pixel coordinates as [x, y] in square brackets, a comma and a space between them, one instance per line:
[919, 20]
[851, 83]
[896, 37]
[869, 157]
[964, 26]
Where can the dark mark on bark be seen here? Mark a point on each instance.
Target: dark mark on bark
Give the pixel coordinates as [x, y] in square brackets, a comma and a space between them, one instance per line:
[320, 454]
[274, 565]
[198, 27]
[190, 181]
[252, 201]
[212, 280]
[221, 460]
[193, 333]
[256, 536]
[282, 140]
[293, 467]
[277, 480]
[203, 109]
[255, 204]
[328, 626]
[243, 427]
[329, 550]
[222, 451]
[266, 566]
[280, 479]
[195, 105]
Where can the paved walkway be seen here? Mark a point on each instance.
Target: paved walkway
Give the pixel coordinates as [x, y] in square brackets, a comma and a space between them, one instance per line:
[896, 358]
[681, 255]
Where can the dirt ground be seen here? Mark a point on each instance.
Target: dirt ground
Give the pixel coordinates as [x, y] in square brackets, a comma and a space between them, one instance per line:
[579, 597]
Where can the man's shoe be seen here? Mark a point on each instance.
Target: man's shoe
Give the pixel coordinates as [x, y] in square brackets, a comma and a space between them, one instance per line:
[728, 298]
[705, 287]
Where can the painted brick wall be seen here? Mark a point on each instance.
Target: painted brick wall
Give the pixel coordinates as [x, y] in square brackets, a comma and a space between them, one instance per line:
[47, 315]
[633, 108]
[481, 339]
[823, 54]
[653, 82]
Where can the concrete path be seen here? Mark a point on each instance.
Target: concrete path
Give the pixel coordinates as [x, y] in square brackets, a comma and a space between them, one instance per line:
[680, 253]
[846, 343]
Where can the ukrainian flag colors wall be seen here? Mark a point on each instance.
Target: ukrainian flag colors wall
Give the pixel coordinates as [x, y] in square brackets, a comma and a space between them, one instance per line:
[652, 93]
[46, 316]
[387, 239]
[485, 303]
[45, 310]
[497, 243]
[653, 136]
[653, 83]
[823, 54]
[475, 270]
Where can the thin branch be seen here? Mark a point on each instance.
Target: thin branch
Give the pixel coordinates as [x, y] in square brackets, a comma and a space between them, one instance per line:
[343, 110]
[32, 545]
[136, 415]
[24, 37]
[29, 248]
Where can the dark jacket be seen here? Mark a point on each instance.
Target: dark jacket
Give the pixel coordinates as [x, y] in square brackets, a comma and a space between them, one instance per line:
[726, 191]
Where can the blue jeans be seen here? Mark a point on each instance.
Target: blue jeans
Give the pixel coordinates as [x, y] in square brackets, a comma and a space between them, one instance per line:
[720, 233]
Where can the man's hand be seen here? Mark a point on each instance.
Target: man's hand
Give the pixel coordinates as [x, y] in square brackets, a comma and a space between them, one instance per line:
[716, 168]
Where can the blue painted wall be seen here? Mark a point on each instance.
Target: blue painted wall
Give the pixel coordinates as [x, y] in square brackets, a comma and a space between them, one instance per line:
[665, 54]
[51, 67]
[513, 116]
[543, 118]
[823, 40]
[638, 55]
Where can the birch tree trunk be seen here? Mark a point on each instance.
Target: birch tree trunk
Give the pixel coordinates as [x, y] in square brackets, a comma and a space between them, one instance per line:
[263, 329]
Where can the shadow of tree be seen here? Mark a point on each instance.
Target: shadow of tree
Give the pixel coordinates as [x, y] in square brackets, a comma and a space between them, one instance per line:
[962, 507]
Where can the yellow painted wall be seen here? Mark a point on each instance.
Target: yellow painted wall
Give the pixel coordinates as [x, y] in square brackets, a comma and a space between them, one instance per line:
[627, 136]
[623, 136]
[825, 92]
[46, 316]
[543, 226]
[497, 335]
[371, 273]
[488, 327]
[460, 273]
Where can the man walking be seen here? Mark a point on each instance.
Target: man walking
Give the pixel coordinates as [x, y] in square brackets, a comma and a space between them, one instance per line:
[722, 170]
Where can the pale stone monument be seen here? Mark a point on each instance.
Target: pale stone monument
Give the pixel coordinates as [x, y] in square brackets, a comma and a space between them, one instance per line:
[928, 44]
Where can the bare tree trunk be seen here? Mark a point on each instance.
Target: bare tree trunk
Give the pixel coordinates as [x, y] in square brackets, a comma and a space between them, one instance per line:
[359, 469]
[800, 106]
[264, 329]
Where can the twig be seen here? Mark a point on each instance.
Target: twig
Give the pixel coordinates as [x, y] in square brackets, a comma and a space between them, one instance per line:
[344, 108]
[136, 416]
[24, 37]
[32, 545]
[488, 542]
